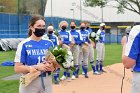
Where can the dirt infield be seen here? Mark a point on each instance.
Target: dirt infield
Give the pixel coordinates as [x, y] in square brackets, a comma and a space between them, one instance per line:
[109, 82]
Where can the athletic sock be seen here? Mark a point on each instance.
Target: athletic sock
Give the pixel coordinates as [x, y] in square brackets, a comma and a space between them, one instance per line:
[101, 66]
[65, 73]
[92, 65]
[97, 65]
[85, 69]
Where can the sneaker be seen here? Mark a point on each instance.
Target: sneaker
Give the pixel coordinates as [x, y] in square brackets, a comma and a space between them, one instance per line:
[63, 78]
[97, 73]
[83, 73]
[76, 76]
[58, 79]
[68, 79]
[103, 71]
[73, 77]
[86, 76]
[56, 82]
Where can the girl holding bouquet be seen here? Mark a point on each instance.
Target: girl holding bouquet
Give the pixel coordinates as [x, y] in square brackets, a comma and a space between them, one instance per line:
[75, 48]
[30, 55]
[91, 48]
[50, 35]
[83, 56]
[66, 39]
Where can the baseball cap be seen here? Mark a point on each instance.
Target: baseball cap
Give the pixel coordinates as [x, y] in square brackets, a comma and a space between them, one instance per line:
[50, 28]
[102, 24]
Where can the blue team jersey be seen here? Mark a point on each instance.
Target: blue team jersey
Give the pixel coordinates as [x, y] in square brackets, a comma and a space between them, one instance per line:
[89, 30]
[101, 35]
[77, 36]
[30, 52]
[85, 35]
[54, 39]
[65, 36]
[133, 47]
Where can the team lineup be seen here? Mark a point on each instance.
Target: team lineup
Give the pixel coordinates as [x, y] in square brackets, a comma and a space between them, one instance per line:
[31, 52]
[77, 40]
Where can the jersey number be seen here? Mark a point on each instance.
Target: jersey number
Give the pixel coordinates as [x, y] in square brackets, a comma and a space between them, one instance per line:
[41, 59]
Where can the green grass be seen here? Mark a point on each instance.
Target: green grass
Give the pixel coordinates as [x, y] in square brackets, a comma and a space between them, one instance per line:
[112, 56]
[7, 86]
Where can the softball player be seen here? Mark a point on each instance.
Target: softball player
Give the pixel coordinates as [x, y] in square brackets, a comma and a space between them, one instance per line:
[83, 56]
[31, 54]
[66, 39]
[50, 35]
[131, 57]
[100, 37]
[91, 50]
[75, 48]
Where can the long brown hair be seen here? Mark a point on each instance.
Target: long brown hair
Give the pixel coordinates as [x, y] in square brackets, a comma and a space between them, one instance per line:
[32, 21]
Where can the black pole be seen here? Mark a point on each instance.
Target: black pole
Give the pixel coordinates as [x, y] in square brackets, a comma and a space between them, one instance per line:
[42, 8]
[73, 14]
[18, 21]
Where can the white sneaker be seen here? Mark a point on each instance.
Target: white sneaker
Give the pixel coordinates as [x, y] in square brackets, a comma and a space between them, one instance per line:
[97, 73]
[73, 77]
[63, 78]
[68, 79]
[83, 73]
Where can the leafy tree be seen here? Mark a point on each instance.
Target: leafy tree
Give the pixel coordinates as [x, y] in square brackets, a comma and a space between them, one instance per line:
[121, 5]
[9, 6]
[23, 6]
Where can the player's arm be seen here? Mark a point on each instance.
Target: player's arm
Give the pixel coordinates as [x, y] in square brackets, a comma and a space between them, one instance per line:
[128, 62]
[124, 40]
[20, 68]
[131, 53]
[69, 41]
[98, 35]
[79, 40]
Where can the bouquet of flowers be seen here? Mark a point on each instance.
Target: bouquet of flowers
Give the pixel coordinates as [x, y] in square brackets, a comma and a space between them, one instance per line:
[92, 36]
[63, 57]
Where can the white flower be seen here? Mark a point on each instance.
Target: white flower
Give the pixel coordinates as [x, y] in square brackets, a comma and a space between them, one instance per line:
[93, 34]
[56, 48]
[69, 60]
[72, 63]
[66, 64]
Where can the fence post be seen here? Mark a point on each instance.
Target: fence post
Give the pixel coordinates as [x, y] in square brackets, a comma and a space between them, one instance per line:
[18, 21]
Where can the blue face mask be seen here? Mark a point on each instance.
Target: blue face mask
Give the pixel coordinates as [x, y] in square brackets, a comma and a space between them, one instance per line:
[39, 32]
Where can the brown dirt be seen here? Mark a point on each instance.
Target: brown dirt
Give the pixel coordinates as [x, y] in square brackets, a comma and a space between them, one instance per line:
[109, 82]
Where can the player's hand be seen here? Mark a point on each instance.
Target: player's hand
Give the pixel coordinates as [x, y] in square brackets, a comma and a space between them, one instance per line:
[50, 66]
[94, 45]
[41, 67]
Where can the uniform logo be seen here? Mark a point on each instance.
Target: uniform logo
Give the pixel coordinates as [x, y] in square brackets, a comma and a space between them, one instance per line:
[28, 46]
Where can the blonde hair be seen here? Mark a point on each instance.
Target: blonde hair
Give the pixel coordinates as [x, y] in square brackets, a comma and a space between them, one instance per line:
[62, 22]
